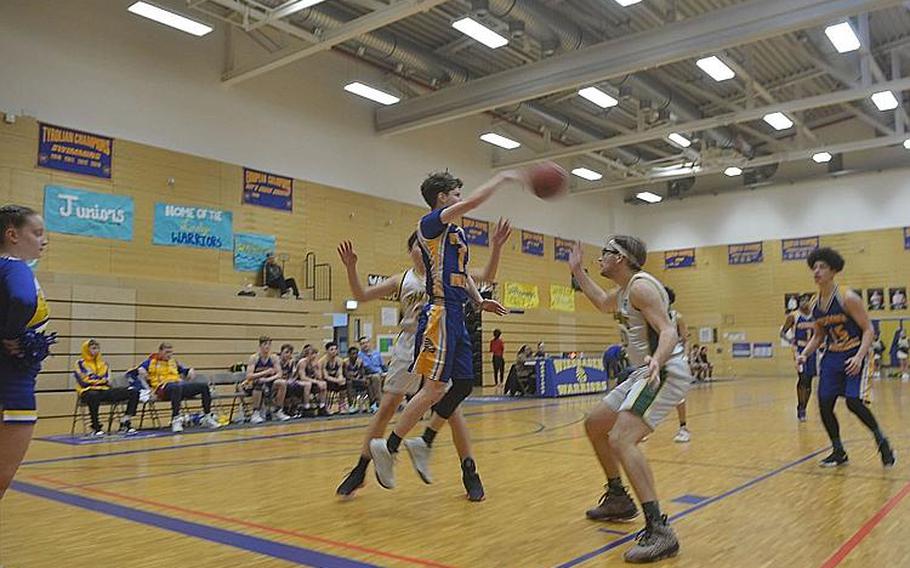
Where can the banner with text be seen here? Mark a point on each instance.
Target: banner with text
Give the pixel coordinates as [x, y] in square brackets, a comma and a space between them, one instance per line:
[476, 232]
[682, 258]
[268, 190]
[74, 151]
[745, 253]
[798, 249]
[518, 295]
[250, 250]
[562, 298]
[194, 227]
[80, 212]
[532, 243]
[562, 248]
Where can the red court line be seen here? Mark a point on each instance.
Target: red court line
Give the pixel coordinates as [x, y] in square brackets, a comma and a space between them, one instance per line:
[248, 524]
[864, 530]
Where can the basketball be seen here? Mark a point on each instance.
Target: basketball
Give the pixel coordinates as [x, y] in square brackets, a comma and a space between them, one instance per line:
[548, 180]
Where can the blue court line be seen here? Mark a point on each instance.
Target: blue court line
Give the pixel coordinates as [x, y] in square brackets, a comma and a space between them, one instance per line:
[256, 545]
[248, 439]
[631, 536]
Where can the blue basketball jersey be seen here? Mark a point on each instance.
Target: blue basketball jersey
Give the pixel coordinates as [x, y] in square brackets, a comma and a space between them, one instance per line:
[842, 333]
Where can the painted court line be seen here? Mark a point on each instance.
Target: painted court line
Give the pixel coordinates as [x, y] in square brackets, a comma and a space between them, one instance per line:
[239, 522]
[629, 537]
[294, 554]
[867, 527]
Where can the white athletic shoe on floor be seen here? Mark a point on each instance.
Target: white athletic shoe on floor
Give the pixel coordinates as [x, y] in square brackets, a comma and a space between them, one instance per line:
[419, 452]
[280, 415]
[177, 424]
[209, 421]
[383, 463]
[683, 436]
[257, 418]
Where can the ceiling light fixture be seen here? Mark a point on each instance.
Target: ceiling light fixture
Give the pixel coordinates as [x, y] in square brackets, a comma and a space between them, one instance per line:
[168, 18]
[371, 93]
[474, 29]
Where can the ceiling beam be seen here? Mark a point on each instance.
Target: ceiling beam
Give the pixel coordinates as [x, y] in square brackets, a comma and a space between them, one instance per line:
[347, 31]
[713, 31]
[781, 157]
[745, 115]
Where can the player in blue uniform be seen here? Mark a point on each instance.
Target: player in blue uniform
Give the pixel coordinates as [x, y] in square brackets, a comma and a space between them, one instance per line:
[23, 345]
[841, 321]
[803, 326]
[442, 343]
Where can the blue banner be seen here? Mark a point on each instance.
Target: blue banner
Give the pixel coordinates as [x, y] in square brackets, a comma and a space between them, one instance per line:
[74, 151]
[742, 350]
[250, 250]
[682, 258]
[907, 237]
[798, 249]
[476, 232]
[79, 212]
[532, 243]
[268, 190]
[746, 253]
[561, 376]
[562, 248]
[194, 227]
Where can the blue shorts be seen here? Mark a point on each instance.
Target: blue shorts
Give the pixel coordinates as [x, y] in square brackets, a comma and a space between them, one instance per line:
[17, 395]
[810, 368]
[834, 380]
[442, 344]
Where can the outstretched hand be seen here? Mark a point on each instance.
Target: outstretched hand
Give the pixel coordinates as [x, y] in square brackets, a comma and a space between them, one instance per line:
[493, 306]
[347, 254]
[502, 232]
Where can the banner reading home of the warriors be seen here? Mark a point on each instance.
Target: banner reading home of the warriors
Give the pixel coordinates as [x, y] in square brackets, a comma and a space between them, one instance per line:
[268, 190]
[74, 151]
[518, 295]
[476, 232]
[192, 226]
[79, 212]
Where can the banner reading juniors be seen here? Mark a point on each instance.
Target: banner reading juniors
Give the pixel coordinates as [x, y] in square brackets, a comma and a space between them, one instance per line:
[268, 190]
[74, 151]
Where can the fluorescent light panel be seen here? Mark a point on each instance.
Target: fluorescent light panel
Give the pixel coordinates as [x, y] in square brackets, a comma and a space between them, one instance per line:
[473, 28]
[649, 197]
[821, 158]
[169, 18]
[778, 120]
[733, 171]
[598, 97]
[498, 140]
[371, 93]
[679, 140]
[842, 37]
[716, 68]
[585, 173]
[885, 100]
[625, 3]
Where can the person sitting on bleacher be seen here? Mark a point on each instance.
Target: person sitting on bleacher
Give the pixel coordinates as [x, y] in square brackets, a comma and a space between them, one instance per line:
[309, 375]
[93, 383]
[169, 380]
[335, 380]
[263, 373]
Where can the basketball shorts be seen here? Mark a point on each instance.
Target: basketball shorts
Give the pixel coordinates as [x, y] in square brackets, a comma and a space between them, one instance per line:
[400, 379]
[443, 345]
[652, 404]
[834, 380]
[17, 396]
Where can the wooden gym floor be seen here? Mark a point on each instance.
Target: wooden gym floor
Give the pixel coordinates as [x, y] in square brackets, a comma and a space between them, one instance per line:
[746, 492]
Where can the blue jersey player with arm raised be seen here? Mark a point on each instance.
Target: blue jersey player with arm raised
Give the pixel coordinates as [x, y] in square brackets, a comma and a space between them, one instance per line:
[442, 343]
[23, 316]
[841, 321]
